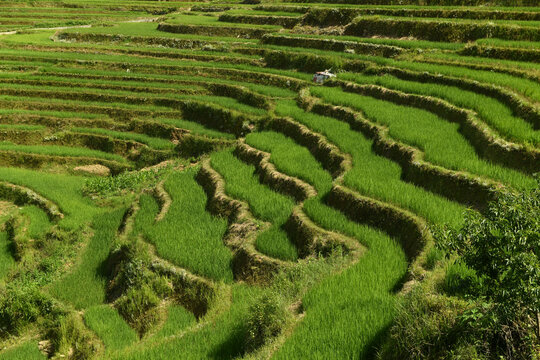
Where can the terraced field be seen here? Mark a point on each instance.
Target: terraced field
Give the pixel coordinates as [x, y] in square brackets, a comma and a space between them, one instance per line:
[170, 172]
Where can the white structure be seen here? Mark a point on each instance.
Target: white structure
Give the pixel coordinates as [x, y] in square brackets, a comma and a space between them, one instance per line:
[321, 76]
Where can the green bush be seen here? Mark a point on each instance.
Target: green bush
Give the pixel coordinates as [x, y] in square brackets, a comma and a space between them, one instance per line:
[267, 317]
[20, 306]
[138, 307]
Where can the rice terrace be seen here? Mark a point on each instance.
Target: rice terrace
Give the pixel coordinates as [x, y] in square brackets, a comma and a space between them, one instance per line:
[256, 179]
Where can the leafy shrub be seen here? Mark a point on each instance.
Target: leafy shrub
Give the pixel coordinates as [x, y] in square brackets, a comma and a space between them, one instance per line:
[267, 317]
[20, 306]
[138, 307]
[503, 248]
[426, 326]
[68, 334]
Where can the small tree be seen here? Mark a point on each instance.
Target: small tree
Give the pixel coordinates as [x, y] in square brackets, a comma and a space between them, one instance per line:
[503, 247]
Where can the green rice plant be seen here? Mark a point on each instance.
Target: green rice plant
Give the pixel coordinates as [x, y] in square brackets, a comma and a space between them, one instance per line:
[374, 175]
[85, 285]
[222, 337]
[28, 350]
[178, 319]
[494, 113]
[265, 204]
[56, 150]
[153, 142]
[39, 221]
[439, 139]
[188, 235]
[292, 159]
[105, 321]
[64, 190]
[358, 303]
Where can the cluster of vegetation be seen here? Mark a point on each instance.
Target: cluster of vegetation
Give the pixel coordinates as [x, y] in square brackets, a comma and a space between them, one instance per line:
[482, 299]
[293, 220]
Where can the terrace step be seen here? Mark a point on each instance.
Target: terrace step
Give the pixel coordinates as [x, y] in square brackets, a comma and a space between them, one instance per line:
[248, 264]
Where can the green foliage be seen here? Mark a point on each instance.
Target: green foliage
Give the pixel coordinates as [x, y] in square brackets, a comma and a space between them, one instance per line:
[69, 335]
[110, 327]
[503, 247]
[20, 306]
[266, 319]
[427, 326]
[28, 350]
[138, 307]
[499, 265]
[461, 280]
[127, 181]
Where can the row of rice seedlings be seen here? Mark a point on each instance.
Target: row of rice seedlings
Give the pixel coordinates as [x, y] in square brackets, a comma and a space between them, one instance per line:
[150, 30]
[49, 103]
[45, 113]
[188, 236]
[374, 175]
[507, 65]
[213, 21]
[526, 87]
[403, 43]
[531, 24]
[498, 116]
[111, 328]
[14, 56]
[509, 43]
[195, 128]
[265, 204]
[223, 101]
[250, 11]
[85, 285]
[178, 319]
[437, 138]
[221, 336]
[39, 221]
[31, 80]
[267, 90]
[152, 142]
[64, 190]
[28, 350]
[55, 150]
[346, 314]
[292, 159]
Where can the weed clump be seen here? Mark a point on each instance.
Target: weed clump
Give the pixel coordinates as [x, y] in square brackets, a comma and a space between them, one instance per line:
[267, 317]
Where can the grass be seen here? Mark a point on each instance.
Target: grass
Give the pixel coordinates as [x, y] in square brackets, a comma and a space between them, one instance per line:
[498, 116]
[347, 307]
[110, 327]
[291, 159]
[439, 139]
[28, 351]
[188, 235]
[346, 314]
[178, 320]
[39, 222]
[55, 150]
[6, 255]
[265, 204]
[153, 142]
[64, 190]
[374, 175]
[85, 285]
